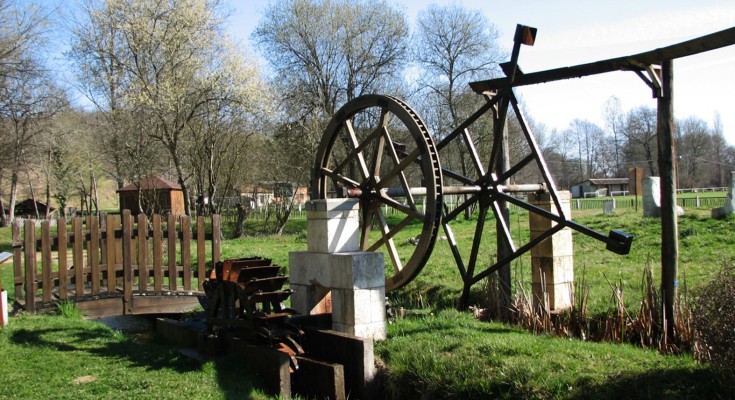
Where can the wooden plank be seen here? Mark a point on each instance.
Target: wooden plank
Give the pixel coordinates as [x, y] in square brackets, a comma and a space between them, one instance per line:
[101, 307]
[157, 253]
[46, 288]
[216, 239]
[29, 247]
[17, 258]
[93, 253]
[171, 233]
[319, 379]
[636, 62]
[110, 252]
[164, 304]
[142, 252]
[186, 250]
[127, 262]
[63, 262]
[78, 256]
[201, 251]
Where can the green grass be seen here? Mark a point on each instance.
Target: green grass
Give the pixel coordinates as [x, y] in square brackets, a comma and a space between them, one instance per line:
[444, 355]
[44, 355]
[449, 355]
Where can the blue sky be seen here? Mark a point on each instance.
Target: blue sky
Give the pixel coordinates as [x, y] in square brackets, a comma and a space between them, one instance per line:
[575, 32]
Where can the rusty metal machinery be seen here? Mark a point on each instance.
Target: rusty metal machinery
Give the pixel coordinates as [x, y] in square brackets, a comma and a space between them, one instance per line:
[377, 149]
[246, 297]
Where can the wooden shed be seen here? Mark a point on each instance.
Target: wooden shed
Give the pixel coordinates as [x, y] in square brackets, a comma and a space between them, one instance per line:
[157, 196]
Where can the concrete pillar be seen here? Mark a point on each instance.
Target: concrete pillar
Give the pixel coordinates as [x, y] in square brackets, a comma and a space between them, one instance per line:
[729, 207]
[552, 261]
[334, 276]
[3, 308]
[652, 198]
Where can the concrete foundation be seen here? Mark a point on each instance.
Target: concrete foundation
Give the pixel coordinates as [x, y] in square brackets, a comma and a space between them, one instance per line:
[729, 207]
[552, 261]
[334, 276]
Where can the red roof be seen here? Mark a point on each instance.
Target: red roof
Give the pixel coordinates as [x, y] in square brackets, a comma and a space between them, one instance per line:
[150, 183]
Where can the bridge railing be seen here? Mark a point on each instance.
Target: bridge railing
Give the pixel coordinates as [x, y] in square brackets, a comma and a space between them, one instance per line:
[109, 258]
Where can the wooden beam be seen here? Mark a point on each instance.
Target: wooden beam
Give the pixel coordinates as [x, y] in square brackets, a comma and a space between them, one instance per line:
[636, 62]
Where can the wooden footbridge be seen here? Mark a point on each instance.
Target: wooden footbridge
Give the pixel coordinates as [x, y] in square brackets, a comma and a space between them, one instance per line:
[114, 264]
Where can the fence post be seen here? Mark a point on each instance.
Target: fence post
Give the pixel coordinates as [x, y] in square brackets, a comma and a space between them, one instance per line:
[142, 252]
[216, 239]
[127, 263]
[201, 251]
[172, 236]
[110, 253]
[29, 247]
[93, 252]
[63, 266]
[186, 250]
[46, 288]
[17, 261]
[157, 253]
[78, 256]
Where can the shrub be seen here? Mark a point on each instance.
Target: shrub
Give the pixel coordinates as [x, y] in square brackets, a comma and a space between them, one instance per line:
[714, 319]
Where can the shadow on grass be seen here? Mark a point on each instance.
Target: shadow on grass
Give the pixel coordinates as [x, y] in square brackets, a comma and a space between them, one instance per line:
[234, 381]
[656, 384]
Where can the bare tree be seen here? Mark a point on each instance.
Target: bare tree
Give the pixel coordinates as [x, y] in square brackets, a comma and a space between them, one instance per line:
[325, 53]
[454, 46]
[640, 135]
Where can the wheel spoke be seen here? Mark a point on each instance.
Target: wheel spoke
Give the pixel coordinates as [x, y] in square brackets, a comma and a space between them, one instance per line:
[339, 177]
[357, 153]
[400, 207]
[401, 176]
[404, 222]
[389, 244]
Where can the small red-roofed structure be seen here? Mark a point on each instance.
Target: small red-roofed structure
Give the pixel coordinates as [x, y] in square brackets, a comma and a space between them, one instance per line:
[154, 194]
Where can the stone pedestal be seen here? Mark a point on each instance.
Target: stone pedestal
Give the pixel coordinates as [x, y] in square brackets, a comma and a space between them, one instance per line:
[334, 276]
[552, 261]
[729, 207]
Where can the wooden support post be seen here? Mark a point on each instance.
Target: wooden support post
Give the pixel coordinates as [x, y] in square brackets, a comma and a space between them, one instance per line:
[504, 248]
[669, 222]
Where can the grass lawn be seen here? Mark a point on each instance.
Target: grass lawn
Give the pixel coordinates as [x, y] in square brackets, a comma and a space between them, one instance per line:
[441, 353]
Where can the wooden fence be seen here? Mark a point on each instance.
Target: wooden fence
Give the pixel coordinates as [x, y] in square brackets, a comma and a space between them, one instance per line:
[112, 265]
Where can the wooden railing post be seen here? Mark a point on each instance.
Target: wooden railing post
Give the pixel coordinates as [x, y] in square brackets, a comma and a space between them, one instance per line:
[142, 252]
[186, 250]
[127, 263]
[78, 256]
[157, 253]
[201, 251]
[29, 247]
[63, 267]
[93, 252]
[17, 260]
[172, 238]
[46, 286]
[110, 253]
[216, 239]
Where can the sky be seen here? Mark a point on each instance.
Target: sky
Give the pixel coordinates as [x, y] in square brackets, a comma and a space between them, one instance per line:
[577, 32]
